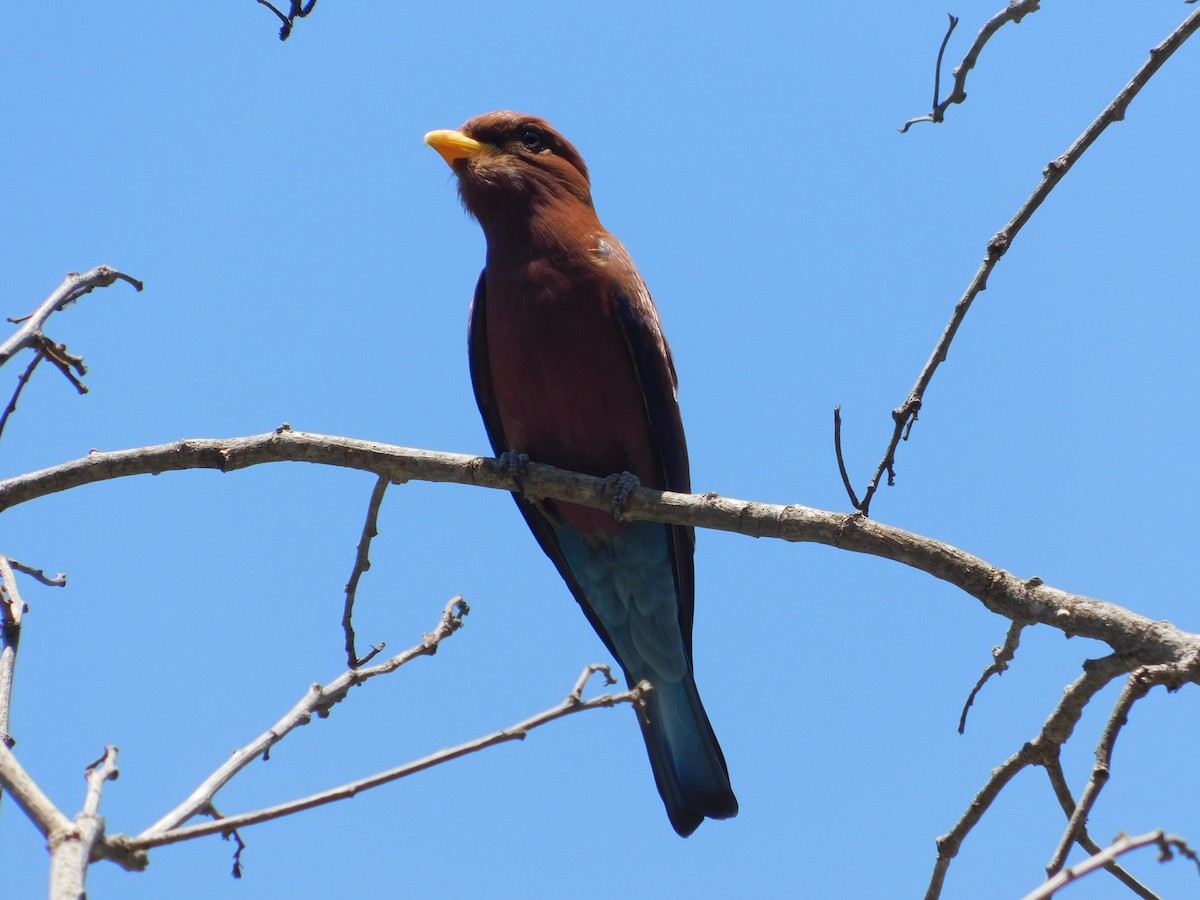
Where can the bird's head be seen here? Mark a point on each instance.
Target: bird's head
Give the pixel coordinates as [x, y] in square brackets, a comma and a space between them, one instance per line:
[512, 167]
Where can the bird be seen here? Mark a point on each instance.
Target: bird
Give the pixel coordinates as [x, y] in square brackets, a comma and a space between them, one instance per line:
[570, 367]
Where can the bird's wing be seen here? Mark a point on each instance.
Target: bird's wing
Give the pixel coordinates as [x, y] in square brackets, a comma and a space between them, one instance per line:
[481, 368]
[656, 374]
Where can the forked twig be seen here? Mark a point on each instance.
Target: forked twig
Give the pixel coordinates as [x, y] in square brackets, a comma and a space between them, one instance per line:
[1045, 746]
[318, 701]
[1014, 11]
[571, 705]
[1136, 687]
[905, 414]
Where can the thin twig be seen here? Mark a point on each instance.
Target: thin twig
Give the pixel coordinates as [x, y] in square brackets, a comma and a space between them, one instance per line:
[21, 382]
[1014, 11]
[837, 449]
[318, 700]
[948, 844]
[1001, 657]
[39, 575]
[937, 68]
[362, 562]
[569, 706]
[586, 675]
[1058, 781]
[905, 414]
[1168, 845]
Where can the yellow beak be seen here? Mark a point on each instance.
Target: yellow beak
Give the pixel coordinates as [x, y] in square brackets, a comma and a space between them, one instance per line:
[454, 146]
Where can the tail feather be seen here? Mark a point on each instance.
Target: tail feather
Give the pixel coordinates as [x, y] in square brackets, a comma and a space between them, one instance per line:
[689, 767]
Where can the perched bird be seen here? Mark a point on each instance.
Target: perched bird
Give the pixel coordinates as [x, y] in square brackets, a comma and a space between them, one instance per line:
[570, 367]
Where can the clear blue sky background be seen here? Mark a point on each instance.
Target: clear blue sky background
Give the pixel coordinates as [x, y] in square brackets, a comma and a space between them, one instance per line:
[306, 259]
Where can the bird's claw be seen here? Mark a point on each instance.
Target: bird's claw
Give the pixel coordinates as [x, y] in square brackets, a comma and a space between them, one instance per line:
[514, 464]
[622, 486]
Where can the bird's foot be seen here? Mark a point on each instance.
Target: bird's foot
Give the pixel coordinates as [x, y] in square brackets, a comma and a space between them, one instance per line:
[621, 487]
[514, 463]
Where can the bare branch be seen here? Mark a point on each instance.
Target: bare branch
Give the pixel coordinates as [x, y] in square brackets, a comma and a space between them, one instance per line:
[904, 415]
[73, 288]
[571, 705]
[1014, 12]
[362, 562]
[319, 700]
[40, 809]
[586, 675]
[1168, 845]
[1143, 640]
[1136, 687]
[12, 609]
[948, 844]
[1057, 728]
[39, 575]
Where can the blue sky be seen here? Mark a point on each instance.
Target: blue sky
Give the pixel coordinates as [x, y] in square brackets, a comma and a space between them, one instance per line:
[306, 260]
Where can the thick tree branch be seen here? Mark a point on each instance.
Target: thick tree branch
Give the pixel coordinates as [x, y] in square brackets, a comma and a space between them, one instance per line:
[1142, 639]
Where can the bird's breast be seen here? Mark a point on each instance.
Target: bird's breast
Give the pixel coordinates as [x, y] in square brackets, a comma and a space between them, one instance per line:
[565, 383]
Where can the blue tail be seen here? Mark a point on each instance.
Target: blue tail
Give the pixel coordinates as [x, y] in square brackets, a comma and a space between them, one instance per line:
[689, 767]
[626, 583]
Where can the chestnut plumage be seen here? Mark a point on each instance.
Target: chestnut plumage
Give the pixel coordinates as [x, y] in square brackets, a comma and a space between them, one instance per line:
[570, 366]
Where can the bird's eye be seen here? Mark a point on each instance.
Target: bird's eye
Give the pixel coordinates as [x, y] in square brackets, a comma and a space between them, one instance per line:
[532, 139]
